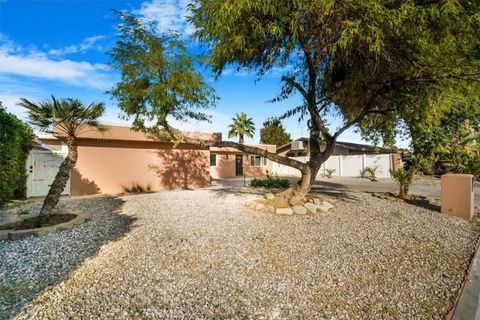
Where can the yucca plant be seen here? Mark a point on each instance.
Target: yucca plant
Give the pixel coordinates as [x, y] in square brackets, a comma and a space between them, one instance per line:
[329, 172]
[65, 116]
[370, 173]
[404, 179]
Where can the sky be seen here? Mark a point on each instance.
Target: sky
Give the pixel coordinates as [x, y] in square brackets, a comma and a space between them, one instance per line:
[60, 47]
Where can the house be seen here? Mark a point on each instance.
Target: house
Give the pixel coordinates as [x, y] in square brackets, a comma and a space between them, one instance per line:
[230, 162]
[121, 160]
[347, 160]
[300, 148]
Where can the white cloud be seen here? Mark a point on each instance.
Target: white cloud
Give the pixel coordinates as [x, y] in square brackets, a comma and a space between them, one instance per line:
[168, 15]
[87, 44]
[15, 60]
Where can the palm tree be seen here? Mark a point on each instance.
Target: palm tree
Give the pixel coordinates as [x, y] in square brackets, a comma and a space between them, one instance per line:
[66, 116]
[241, 127]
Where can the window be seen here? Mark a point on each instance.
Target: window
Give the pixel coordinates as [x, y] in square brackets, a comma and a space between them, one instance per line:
[213, 159]
[258, 161]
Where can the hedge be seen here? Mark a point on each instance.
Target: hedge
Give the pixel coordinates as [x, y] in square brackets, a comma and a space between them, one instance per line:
[15, 144]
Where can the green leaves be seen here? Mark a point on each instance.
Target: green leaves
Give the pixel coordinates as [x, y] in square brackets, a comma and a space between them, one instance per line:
[274, 133]
[242, 126]
[159, 77]
[66, 115]
[15, 145]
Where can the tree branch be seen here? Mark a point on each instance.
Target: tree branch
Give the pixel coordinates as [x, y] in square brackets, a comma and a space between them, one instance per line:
[262, 152]
[302, 167]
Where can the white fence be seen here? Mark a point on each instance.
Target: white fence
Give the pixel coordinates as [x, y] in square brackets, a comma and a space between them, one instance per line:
[42, 166]
[344, 166]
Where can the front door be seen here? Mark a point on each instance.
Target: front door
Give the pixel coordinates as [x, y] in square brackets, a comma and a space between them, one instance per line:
[239, 165]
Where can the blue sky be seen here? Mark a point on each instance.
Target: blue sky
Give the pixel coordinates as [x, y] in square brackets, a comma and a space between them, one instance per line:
[59, 47]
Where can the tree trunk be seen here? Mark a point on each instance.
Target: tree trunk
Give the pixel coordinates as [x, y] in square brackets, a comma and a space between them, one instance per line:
[297, 193]
[58, 184]
[241, 138]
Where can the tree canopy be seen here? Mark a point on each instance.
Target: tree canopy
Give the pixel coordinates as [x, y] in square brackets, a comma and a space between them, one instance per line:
[159, 77]
[347, 59]
[273, 132]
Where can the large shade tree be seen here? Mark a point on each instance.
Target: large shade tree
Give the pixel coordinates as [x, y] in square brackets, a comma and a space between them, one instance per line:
[348, 59]
[241, 126]
[67, 117]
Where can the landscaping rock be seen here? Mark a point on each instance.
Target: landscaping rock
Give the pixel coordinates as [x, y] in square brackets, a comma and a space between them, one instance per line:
[317, 201]
[325, 206]
[269, 209]
[299, 210]
[311, 207]
[269, 196]
[284, 211]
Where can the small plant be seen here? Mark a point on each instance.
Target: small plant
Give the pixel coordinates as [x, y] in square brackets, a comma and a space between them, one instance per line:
[329, 173]
[404, 179]
[135, 187]
[270, 182]
[370, 173]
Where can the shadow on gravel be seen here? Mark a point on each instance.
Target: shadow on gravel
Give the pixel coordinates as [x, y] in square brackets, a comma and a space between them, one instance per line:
[424, 203]
[315, 191]
[30, 265]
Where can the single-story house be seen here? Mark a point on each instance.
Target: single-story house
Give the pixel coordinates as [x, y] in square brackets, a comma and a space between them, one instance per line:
[300, 148]
[347, 160]
[121, 160]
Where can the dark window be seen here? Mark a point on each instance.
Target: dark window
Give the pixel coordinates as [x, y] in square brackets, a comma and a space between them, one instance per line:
[213, 159]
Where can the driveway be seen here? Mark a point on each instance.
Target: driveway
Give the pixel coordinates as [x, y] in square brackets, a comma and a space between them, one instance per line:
[203, 254]
[424, 186]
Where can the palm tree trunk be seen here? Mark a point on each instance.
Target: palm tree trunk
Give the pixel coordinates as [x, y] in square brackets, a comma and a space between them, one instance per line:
[241, 138]
[60, 181]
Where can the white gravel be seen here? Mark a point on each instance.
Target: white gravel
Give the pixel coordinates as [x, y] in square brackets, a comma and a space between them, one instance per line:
[27, 266]
[202, 254]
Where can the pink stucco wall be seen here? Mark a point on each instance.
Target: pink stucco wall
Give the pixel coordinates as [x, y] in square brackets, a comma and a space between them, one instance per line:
[118, 166]
[226, 163]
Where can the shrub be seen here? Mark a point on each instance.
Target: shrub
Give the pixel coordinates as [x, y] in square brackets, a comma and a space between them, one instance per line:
[369, 173]
[15, 144]
[404, 179]
[330, 172]
[270, 182]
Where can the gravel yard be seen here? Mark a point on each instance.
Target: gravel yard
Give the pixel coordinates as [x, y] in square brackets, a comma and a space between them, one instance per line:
[202, 254]
[27, 266]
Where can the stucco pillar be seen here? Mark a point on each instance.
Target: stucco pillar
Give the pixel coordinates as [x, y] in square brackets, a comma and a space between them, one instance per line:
[457, 195]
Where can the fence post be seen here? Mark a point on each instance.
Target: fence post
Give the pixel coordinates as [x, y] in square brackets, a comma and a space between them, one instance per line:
[340, 165]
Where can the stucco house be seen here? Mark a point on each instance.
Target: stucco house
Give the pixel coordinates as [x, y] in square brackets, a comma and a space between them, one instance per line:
[300, 148]
[120, 160]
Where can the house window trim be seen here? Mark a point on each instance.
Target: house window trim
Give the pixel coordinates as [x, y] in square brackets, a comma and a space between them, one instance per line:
[263, 163]
[216, 159]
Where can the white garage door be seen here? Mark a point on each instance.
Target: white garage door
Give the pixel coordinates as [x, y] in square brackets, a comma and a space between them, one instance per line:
[42, 166]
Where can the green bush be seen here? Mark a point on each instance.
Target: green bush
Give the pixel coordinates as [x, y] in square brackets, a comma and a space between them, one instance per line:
[370, 173]
[270, 182]
[15, 144]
